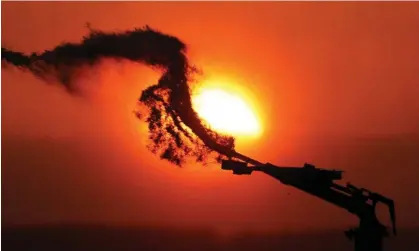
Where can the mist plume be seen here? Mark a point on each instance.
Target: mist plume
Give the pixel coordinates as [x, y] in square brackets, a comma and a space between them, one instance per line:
[175, 130]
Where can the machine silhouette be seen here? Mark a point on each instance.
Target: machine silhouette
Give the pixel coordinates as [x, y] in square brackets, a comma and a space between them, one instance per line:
[368, 236]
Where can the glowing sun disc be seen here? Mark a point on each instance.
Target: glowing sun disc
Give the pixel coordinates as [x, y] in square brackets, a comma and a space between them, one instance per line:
[225, 112]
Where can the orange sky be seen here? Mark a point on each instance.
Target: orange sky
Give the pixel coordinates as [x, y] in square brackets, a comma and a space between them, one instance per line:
[336, 84]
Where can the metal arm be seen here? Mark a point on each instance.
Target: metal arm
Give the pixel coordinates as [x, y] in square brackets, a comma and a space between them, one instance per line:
[320, 183]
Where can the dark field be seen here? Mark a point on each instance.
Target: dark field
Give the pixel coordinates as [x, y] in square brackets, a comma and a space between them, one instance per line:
[101, 238]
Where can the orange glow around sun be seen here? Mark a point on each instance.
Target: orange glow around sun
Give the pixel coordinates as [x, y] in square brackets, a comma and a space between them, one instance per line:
[226, 112]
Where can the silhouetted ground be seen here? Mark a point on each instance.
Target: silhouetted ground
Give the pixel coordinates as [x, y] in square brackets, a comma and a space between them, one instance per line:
[90, 238]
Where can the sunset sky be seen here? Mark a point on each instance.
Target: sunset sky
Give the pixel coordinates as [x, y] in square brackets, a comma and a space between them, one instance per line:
[332, 84]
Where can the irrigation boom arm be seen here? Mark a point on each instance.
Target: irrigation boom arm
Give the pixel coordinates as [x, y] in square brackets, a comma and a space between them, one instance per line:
[320, 183]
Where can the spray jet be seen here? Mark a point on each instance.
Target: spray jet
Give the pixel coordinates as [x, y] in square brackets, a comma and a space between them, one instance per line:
[175, 130]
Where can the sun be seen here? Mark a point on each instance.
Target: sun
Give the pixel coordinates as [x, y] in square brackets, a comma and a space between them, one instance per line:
[226, 112]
